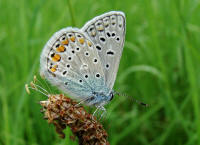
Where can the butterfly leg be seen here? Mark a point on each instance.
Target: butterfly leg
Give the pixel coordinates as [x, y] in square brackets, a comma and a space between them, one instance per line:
[96, 110]
[104, 112]
[82, 101]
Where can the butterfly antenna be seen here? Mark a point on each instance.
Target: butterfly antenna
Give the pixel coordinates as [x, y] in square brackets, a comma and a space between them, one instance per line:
[135, 100]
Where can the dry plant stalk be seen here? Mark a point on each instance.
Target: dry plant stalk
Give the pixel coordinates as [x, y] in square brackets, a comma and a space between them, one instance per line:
[63, 111]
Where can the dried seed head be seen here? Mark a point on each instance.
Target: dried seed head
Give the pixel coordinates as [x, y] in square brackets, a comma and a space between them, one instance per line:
[62, 111]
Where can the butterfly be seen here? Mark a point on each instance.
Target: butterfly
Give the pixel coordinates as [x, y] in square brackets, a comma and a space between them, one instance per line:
[83, 63]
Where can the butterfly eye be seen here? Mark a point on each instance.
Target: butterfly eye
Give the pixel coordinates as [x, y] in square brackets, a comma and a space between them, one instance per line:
[111, 96]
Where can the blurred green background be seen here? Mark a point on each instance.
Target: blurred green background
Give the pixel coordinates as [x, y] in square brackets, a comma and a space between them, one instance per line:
[160, 66]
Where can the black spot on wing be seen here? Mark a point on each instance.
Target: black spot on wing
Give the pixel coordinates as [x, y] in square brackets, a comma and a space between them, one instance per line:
[110, 52]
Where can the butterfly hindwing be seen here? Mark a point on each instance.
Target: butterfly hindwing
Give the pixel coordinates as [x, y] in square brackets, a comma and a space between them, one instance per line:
[70, 61]
[107, 32]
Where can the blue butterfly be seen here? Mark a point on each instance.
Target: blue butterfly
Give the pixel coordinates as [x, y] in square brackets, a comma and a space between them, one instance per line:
[84, 62]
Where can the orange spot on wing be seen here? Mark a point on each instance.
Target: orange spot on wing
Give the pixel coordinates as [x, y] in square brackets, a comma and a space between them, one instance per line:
[61, 48]
[81, 40]
[89, 44]
[65, 42]
[100, 28]
[56, 57]
[72, 39]
[93, 33]
[54, 68]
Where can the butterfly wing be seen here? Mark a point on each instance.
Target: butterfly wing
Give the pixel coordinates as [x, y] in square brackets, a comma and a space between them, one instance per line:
[107, 31]
[70, 61]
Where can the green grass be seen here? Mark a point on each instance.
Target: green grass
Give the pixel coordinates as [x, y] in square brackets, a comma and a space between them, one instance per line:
[160, 66]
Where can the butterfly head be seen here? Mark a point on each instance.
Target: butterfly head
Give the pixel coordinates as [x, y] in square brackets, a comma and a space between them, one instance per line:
[111, 96]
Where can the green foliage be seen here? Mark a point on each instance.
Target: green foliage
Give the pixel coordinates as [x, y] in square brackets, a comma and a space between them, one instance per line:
[160, 66]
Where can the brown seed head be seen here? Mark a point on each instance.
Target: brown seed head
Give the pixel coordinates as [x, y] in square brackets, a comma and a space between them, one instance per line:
[62, 111]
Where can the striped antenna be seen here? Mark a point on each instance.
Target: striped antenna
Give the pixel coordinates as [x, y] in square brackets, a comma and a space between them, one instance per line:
[135, 100]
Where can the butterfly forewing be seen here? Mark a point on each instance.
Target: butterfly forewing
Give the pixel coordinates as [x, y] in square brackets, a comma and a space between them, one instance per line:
[70, 61]
[107, 32]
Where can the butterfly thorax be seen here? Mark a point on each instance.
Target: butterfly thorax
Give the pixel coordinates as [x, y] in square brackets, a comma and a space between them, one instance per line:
[99, 99]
